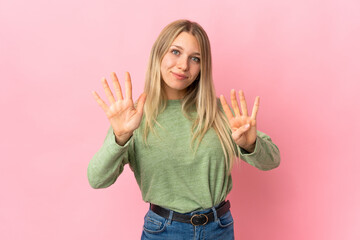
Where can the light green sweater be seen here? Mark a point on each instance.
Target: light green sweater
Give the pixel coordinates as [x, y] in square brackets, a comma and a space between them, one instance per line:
[168, 171]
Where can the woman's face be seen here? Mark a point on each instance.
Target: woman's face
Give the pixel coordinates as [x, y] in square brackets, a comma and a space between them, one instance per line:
[180, 65]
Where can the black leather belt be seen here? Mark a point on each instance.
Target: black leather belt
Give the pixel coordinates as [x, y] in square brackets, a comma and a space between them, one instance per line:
[196, 219]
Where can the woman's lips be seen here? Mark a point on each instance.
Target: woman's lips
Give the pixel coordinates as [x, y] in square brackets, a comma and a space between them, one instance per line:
[179, 76]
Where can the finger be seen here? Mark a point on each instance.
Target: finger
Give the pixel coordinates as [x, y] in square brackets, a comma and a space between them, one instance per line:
[226, 108]
[234, 103]
[240, 131]
[243, 103]
[101, 103]
[128, 86]
[117, 86]
[107, 91]
[141, 103]
[255, 108]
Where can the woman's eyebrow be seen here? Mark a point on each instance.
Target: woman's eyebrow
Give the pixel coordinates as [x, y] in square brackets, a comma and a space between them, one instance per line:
[195, 53]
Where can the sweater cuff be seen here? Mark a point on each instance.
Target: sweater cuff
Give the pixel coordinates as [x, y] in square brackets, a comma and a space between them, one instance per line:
[112, 146]
[257, 149]
[254, 157]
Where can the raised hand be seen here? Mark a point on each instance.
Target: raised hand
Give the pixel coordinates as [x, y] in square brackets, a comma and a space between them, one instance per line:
[122, 114]
[242, 125]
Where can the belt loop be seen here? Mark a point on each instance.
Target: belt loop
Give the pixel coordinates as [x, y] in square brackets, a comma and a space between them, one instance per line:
[215, 214]
[171, 213]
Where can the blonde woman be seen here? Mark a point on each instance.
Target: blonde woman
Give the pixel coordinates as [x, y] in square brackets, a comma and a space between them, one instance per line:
[179, 140]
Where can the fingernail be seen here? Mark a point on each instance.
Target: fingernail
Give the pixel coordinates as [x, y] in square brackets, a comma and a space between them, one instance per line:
[247, 125]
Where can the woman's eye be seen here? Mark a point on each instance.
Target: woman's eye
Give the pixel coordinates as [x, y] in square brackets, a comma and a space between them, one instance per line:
[195, 59]
[175, 52]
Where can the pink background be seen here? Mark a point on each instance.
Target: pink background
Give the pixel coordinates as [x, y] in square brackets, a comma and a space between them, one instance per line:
[300, 57]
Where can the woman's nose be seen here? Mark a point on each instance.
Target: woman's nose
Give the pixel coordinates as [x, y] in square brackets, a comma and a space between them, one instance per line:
[183, 63]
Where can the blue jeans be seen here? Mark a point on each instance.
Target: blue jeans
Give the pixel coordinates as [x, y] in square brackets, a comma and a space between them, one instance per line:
[160, 228]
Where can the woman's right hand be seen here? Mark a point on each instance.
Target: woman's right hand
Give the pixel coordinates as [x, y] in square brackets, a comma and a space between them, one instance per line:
[122, 114]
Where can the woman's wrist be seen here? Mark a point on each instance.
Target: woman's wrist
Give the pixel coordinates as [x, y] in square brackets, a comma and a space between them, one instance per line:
[250, 148]
[122, 139]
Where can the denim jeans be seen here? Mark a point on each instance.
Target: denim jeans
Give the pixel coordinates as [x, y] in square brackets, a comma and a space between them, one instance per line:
[160, 228]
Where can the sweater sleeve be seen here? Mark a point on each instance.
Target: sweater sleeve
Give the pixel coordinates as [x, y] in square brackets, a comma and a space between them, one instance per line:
[266, 155]
[108, 163]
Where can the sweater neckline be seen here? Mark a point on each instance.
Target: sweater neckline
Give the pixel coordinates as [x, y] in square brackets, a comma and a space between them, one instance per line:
[174, 102]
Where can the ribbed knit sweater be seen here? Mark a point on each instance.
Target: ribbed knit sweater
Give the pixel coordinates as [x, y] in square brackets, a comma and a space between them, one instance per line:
[168, 170]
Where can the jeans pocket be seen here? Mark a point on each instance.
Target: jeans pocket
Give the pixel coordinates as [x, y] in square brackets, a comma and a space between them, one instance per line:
[154, 223]
[226, 220]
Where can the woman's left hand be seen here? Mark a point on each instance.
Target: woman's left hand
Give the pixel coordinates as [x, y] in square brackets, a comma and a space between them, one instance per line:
[242, 125]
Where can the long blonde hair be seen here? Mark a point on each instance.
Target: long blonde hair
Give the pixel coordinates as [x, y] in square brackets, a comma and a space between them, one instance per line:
[200, 93]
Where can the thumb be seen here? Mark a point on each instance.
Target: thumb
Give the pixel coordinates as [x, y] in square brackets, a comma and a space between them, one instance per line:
[240, 131]
[140, 103]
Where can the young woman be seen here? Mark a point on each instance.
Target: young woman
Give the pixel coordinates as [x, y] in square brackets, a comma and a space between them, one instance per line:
[179, 140]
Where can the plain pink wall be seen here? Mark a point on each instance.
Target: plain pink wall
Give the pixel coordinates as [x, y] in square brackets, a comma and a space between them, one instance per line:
[300, 57]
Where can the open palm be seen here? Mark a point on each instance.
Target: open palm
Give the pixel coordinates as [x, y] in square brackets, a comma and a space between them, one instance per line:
[122, 114]
[242, 125]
